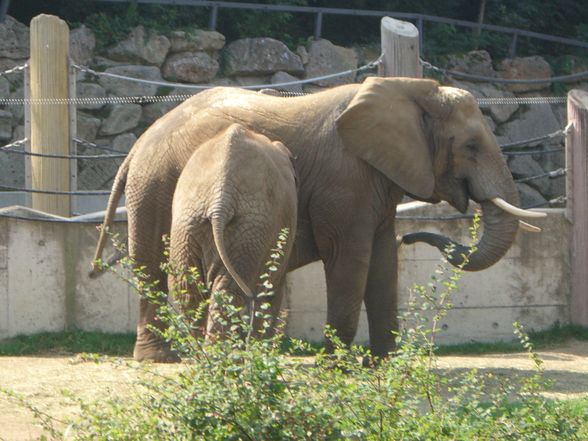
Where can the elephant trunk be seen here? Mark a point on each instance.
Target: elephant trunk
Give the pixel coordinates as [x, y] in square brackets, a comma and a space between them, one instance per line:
[500, 229]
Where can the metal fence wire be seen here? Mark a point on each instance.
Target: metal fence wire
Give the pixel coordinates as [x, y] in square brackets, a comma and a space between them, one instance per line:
[521, 147]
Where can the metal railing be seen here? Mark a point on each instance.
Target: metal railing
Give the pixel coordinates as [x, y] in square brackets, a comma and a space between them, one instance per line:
[320, 12]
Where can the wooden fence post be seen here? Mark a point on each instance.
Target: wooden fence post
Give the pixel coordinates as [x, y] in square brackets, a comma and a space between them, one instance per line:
[401, 49]
[577, 204]
[50, 123]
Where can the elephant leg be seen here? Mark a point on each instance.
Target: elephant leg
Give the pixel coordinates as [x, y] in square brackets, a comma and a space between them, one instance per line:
[146, 247]
[381, 296]
[184, 292]
[346, 277]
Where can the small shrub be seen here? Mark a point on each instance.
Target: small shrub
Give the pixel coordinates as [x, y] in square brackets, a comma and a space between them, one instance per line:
[240, 388]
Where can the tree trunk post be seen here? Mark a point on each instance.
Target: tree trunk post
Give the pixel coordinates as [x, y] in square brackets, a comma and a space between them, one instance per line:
[401, 49]
[577, 204]
[50, 123]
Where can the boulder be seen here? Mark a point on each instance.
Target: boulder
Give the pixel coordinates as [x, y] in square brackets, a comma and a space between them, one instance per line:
[14, 39]
[124, 142]
[283, 77]
[4, 88]
[499, 112]
[190, 67]
[526, 167]
[530, 198]
[143, 46]
[13, 170]
[90, 90]
[303, 54]
[154, 111]
[196, 41]
[87, 127]
[525, 68]
[120, 87]
[5, 125]
[474, 62]
[82, 43]
[533, 122]
[122, 118]
[260, 56]
[325, 58]
[17, 110]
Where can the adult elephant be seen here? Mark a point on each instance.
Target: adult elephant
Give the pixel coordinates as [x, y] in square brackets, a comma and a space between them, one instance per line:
[358, 150]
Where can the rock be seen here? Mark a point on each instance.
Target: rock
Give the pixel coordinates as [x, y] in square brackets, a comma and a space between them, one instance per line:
[87, 127]
[325, 58]
[490, 123]
[122, 118]
[82, 43]
[499, 112]
[474, 62]
[18, 133]
[303, 54]
[14, 39]
[119, 87]
[530, 197]
[154, 111]
[5, 125]
[260, 56]
[524, 69]
[97, 174]
[124, 142]
[190, 67]
[535, 121]
[4, 88]
[283, 77]
[17, 110]
[196, 41]
[141, 46]
[251, 81]
[526, 167]
[13, 170]
[90, 90]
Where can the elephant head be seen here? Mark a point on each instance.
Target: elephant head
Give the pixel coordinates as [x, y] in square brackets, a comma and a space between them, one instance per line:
[434, 142]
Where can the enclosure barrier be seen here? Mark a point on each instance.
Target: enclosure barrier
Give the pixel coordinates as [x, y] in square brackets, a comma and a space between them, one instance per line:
[555, 302]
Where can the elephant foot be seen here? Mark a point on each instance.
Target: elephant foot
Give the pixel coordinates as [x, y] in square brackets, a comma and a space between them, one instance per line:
[156, 352]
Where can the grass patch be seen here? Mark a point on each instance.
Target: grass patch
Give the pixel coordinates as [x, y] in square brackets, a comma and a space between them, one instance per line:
[541, 340]
[74, 342]
[69, 342]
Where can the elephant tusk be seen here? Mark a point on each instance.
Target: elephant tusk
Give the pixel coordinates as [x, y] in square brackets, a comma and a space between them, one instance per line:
[515, 211]
[528, 227]
[411, 206]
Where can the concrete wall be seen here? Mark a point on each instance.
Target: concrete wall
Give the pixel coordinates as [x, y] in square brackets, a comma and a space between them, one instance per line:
[44, 284]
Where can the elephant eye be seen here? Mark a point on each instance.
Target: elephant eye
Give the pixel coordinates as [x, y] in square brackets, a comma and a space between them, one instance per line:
[472, 147]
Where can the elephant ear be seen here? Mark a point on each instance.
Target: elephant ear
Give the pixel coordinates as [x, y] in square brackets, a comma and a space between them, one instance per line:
[383, 125]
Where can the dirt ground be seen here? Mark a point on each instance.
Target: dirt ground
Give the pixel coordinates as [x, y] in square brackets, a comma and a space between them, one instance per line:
[42, 380]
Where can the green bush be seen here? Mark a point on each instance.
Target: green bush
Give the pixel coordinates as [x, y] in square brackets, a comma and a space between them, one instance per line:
[243, 387]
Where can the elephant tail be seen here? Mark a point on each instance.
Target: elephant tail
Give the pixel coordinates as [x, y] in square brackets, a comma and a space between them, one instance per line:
[218, 230]
[118, 188]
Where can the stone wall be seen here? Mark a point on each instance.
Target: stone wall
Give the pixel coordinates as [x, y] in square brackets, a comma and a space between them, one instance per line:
[203, 57]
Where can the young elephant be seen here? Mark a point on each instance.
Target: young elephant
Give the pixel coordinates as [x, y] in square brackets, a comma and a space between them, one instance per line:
[232, 199]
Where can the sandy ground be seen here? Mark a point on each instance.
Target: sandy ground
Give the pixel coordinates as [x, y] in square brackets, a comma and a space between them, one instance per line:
[42, 380]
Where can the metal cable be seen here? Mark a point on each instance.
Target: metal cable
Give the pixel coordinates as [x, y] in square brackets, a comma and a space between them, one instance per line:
[14, 70]
[533, 140]
[534, 152]
[552, 174]
[57, 156]
[556, 79]
[55, 192]
[96, 146]
[368, 66]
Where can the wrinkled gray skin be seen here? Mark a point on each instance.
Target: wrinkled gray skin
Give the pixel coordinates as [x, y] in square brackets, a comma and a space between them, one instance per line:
[358, 149]
[234, 196]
